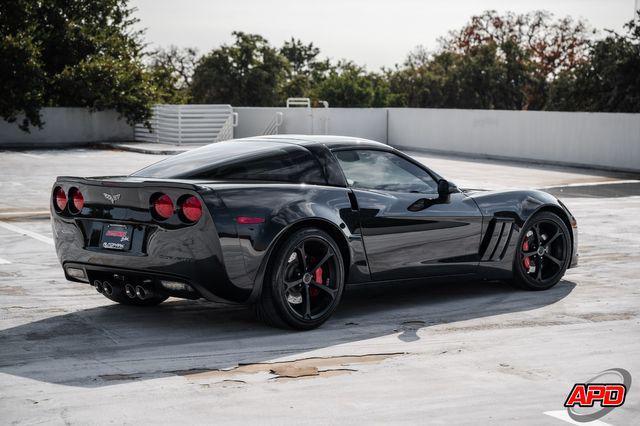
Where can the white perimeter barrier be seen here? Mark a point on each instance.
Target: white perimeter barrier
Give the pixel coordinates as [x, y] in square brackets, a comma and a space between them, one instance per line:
[600, 140]
[68, 126]
[183, 124]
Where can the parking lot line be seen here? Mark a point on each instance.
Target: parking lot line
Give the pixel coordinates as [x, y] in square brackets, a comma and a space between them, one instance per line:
[573, 184]
[26, 232]
[564, 416]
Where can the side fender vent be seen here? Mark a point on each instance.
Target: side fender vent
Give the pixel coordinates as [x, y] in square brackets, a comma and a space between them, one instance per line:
[496, 240]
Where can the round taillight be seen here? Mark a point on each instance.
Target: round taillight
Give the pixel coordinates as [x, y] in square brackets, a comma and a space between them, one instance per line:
[59, 198]
[162, 206]
[191, 208]
[77, 200]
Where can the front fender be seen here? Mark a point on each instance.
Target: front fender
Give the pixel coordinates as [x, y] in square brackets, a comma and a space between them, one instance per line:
[519, 206]
[516, 204]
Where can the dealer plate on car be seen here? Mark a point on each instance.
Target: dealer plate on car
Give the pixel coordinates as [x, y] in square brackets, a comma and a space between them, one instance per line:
[116, 237]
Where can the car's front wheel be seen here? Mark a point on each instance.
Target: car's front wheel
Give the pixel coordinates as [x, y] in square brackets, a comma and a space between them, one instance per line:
[304, 283]
[543, 253]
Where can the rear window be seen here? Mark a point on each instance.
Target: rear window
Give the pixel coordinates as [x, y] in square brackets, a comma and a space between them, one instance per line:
[240, 160]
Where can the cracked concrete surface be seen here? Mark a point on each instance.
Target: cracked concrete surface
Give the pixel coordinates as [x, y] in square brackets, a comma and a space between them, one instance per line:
[460, 352]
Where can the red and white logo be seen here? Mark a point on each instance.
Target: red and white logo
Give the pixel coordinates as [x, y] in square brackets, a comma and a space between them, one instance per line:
[592, 400]
[588, 394]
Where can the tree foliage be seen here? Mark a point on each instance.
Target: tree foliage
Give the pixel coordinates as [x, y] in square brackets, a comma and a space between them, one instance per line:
[609, 81]
[553, 45]
[480, 78]
[171, 71]
[305, 69]
[71, 53]
[495, 61]
[86, 53]
[349, 85]
[247, 73]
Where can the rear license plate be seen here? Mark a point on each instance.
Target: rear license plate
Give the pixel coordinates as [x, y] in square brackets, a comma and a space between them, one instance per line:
[116, 237]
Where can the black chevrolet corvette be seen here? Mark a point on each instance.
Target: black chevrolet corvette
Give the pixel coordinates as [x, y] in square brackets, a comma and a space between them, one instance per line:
[285, 222]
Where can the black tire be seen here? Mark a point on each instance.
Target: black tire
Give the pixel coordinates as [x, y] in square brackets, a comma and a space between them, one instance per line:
[546, 241]
[291, 296]
[119, 296]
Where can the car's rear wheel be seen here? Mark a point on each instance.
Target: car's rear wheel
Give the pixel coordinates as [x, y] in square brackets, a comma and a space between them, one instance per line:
[304, 282]
[543, 253]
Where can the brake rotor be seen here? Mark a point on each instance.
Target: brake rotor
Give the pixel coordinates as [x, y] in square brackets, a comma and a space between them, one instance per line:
[294, 297]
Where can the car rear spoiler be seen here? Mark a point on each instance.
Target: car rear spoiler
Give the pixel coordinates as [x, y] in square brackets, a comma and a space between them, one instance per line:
[130, 182]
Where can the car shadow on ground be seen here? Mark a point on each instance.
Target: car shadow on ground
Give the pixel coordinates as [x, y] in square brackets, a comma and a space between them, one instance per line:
[88, 348]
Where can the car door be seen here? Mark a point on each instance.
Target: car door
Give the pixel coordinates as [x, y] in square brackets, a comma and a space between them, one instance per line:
[409, 231]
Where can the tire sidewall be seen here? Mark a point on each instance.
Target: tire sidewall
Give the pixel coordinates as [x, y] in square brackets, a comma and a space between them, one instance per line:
[276, 271]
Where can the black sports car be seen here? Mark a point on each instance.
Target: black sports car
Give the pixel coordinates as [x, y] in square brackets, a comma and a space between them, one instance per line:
[285, 222]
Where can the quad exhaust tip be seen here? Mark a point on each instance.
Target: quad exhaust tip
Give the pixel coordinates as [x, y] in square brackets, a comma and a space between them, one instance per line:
[130, 291]
[107, 288]
[142, 292]
[139, 291]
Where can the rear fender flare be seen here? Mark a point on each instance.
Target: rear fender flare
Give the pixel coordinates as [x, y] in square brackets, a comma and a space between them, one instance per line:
[329, 226]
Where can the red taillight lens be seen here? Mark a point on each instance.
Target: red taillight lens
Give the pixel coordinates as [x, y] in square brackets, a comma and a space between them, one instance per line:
[77, 200]
[191, 208]
[162, 206]
[59, 198]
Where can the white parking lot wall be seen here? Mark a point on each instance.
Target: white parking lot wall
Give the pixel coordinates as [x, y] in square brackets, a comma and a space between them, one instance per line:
[68, 126]
[603, 140]
[370, 123]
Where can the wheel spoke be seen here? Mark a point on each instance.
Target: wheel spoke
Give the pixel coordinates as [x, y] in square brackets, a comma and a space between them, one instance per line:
[553, 259]
[307, 303]
[529, 253]
[288, 285]
[555, 236]
[331, 292]
[539, 271]
[303, 256]
[322, 261]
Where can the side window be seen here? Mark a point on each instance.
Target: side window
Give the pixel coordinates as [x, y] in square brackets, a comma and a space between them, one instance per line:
[294, 164]
[386, 171]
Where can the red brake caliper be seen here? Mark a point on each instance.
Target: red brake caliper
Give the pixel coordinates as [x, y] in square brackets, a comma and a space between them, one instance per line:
[318, 278]
[525, 248]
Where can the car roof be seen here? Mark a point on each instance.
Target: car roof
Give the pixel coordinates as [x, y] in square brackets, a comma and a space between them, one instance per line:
[331, 141]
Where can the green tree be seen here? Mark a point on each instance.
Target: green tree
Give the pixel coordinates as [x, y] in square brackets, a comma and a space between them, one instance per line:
[423, 80]
[485, 79]
[541, 44]
[305, 70]
[71, 53]
[555, 45]
[247, 73]
[478, 78]
[171, 71]
[349, 85]
[609, 81]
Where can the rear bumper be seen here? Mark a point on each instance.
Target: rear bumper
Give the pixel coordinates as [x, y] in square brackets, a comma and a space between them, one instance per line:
[191, 255]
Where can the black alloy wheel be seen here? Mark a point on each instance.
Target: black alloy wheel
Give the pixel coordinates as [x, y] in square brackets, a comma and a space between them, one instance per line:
[543, 253]
[306, 281]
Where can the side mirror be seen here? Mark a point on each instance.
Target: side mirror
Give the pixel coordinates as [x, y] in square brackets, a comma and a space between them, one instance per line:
[445, 188]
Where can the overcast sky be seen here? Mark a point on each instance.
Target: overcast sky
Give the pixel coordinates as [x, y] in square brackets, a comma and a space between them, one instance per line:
[374, 33]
